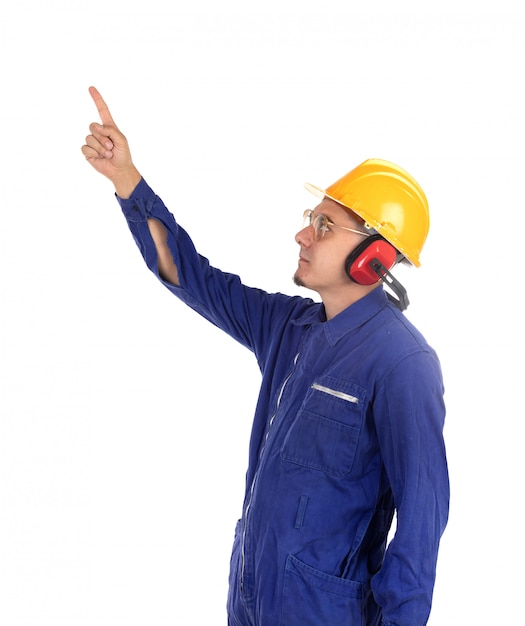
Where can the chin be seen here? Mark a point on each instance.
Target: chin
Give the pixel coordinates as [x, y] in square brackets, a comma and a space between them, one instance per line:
[298, 280]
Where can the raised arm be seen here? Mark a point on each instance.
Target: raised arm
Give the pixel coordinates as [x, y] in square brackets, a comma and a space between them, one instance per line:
[107, 150]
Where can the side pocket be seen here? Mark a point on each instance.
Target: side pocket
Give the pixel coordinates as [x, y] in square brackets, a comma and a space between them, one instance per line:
[312, 598]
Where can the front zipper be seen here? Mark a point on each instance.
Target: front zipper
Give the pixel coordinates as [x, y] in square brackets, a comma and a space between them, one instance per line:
[335, 393]
[252, 487]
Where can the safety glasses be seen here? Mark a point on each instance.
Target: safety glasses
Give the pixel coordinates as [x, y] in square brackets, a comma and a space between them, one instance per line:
[321, 224]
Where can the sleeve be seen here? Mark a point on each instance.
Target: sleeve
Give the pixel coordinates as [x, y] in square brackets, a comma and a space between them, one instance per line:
[245, 313]
[410, 412]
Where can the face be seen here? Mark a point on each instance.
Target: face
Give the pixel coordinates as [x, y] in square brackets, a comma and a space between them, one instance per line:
[322, 263]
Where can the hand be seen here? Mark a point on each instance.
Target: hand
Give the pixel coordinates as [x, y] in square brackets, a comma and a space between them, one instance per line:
[108, 152]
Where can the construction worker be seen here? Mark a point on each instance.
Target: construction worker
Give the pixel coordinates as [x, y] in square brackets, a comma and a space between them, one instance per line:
[348, 428]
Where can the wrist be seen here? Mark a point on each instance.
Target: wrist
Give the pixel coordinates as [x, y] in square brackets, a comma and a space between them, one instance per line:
[126, 182]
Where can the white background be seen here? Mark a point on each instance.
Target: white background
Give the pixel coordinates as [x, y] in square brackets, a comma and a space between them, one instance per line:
[124, 418]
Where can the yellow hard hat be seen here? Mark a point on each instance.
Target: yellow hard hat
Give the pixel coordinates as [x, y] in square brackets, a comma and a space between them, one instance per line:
[389, 200]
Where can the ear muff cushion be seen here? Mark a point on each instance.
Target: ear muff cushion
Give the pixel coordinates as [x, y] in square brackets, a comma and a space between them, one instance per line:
[358, 261]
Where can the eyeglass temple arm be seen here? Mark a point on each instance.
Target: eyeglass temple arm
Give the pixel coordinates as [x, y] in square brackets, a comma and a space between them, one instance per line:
[402, 300]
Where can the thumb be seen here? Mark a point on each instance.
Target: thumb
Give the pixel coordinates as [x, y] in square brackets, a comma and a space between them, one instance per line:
[107, 136]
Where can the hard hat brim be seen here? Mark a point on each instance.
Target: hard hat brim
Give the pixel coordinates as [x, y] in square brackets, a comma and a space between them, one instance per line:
[321, 193]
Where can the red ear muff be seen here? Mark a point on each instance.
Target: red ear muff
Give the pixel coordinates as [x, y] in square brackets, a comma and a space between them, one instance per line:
[358, 264]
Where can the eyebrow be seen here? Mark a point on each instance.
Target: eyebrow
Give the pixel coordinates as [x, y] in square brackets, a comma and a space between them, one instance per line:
[353, 221]
[354, 218]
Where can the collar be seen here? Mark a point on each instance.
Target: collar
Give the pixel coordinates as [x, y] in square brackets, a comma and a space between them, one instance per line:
[349, 319]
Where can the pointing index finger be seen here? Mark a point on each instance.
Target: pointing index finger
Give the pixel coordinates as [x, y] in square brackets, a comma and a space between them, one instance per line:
[102, 107]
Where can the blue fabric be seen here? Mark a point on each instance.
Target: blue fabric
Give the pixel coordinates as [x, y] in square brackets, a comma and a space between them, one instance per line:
[348, 429]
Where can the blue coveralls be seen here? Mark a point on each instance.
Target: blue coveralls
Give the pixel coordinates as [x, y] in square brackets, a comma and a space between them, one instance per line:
[348, 429]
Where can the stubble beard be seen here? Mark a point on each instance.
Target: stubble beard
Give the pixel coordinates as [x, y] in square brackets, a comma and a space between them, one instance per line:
[298, 280]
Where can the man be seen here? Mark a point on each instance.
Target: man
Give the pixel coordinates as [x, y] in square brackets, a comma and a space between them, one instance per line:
[349, 422]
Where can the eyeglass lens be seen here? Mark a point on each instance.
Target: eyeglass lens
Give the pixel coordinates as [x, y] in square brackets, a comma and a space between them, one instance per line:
[318, 222]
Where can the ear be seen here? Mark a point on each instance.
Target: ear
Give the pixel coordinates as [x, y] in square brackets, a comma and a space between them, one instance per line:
[358, 263]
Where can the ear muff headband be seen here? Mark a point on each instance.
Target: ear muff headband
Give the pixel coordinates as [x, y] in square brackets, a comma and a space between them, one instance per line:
[358, 264]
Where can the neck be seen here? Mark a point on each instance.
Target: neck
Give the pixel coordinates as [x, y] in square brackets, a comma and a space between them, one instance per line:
[342, 299]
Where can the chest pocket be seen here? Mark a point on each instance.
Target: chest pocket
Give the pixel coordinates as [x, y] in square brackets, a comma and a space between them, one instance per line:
[325, 432]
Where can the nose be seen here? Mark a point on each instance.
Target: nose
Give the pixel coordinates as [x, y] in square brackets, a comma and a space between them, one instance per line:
[305, 236]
